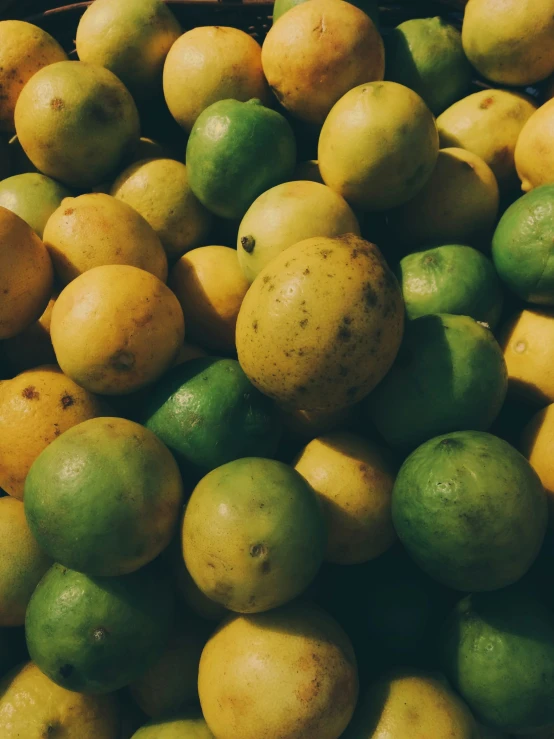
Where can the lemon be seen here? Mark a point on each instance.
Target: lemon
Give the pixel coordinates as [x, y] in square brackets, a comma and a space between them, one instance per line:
[534, 159]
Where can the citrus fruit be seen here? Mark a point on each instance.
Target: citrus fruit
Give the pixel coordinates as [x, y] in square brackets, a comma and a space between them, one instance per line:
[23, 563]
[208, 64]
[208, 413]
[449, 375]
[253, 145]
[533, 159]
[371, 7]
[34, 707]
[171, 683]
[33, 346]
[210, 287]
[319, 52]
[35, 408]
[24, 50]
[111, 486]
[26, 275]
[458, 203]
[76, 122]
[287, 214]
[378, 145]
[292, 670]
[96, 635]
[321, 323]
[453, 279]
[96, 229]
[527, 340]
[508, 41]
[470, 510]
[253, 534]
[32, 197]
[426, 55]
[411, 703]
[498, 651]
[159, 190]
[353, 480]
[130, 39]
[187, 725]
[537, 444]
[116, 328]
[523, 246]
[488, 124]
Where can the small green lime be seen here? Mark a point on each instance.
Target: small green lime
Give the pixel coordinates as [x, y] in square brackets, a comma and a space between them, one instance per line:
[33, 197]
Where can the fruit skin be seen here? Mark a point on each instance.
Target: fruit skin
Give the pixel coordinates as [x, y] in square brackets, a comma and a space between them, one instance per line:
[24, 50]
[27, 275]
[208, 413]
[253, 145]
[116, 329]
[426, 55]
[96, 635]
[453, 279]
[527, 341]
[510, 42]
[449, 375]
[159, 190]
[208, 64]
[523, 245]
[321, 324]
[35, 408]
[537, 443]
[253, 535]
[498, 651]
[23, 563]
[76, 122]
[32, 347]
[287, 214]
[370, 7]
[111, 485]
[533, 159]
[408, 702]
[458, 203]
[190, 722]
[33, 197]
[317, 53]
[353, 480]
[32, 706]
[210, 287]
[295, 665]
[96, 229]
[470, 510]
[130, 39]
[378, 146]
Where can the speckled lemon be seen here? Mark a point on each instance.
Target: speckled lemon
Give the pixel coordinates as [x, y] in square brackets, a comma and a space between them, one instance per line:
[35, 408]
[26, 275]
[321, 325]
[116, 328]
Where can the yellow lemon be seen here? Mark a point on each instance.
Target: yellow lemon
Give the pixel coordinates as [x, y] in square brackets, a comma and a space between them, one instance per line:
[534, 158]
[353, 480]
[187, 725]
[538, 446]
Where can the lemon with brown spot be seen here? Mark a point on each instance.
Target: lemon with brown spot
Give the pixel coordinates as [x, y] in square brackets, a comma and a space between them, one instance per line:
[210, 287]
[488, 123]
[287, 214]
[410, 703]
[321, 325]
[34, 707]
[159, 190]
[24, 49]
[36, 407]
[317, 53]
[33, 346]
[208, 64]
[116, 329]
[353, 480]
[527, 341]
[22, 563]
[289, 673]
[96, 229]
[537, 444]
[533, 154]
[26, 275]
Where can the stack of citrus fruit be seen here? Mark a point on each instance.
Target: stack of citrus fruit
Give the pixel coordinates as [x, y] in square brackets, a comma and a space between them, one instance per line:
[277, 385]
